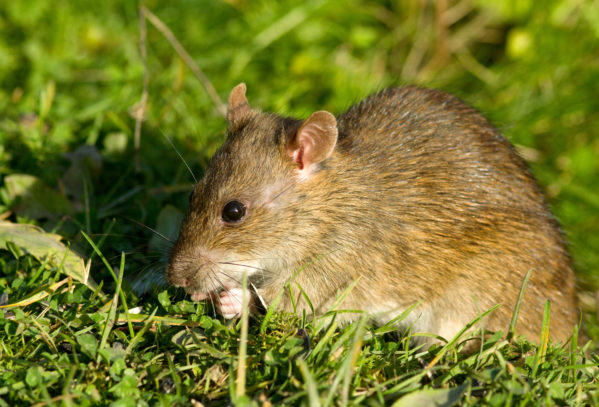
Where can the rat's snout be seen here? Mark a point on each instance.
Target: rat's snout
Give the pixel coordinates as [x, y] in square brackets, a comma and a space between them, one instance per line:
[180, 282]
[176, 279]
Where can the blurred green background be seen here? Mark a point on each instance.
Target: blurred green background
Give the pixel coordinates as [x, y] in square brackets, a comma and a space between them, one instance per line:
[71, 76]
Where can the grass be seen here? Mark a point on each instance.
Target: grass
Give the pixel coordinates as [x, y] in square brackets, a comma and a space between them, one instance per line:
[77, 349]
[72, 86]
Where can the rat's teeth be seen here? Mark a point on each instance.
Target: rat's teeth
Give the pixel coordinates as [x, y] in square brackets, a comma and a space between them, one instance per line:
[198, 296]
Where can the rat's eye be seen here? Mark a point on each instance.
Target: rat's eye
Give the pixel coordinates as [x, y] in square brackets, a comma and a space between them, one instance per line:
[233, 211]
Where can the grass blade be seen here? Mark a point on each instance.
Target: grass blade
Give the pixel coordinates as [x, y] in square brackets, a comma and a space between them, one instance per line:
[121, 294]
[345, 372]
[512, 328]
[451, 343]
[544, 340]
[313, 399]
[272, 307]
[243, 340]
[37, 295]
[112, 313]
[352, 358]
[139, 335]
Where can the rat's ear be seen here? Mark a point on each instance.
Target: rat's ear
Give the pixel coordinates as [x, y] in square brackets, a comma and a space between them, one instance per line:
[238, 107]
[314, 141]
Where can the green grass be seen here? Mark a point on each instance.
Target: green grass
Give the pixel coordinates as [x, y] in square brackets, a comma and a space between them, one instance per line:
[77, 349]
[70, 77]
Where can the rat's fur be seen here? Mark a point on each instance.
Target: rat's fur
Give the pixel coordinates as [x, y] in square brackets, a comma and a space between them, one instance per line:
[421, 200]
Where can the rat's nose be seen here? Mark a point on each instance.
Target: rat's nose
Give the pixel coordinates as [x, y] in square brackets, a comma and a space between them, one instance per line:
[173, 279]
[182, 282]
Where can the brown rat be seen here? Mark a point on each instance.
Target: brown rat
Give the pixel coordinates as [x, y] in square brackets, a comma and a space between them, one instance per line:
[411, 194]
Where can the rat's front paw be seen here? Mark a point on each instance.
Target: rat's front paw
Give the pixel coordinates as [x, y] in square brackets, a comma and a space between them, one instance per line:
[229, 302]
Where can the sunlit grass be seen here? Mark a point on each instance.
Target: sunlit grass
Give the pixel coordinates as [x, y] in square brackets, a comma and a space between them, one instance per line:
[71, 85]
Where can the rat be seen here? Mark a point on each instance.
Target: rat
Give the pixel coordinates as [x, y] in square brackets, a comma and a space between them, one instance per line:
[409, 197]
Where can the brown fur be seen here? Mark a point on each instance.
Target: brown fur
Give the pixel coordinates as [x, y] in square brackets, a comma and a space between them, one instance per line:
[422, 200]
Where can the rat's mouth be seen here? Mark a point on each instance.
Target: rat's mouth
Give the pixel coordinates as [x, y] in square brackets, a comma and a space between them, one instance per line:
[200, 296]
[228, 302]
[199, 293]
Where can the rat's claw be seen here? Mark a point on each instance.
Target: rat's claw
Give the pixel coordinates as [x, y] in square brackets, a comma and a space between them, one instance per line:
[229, 302]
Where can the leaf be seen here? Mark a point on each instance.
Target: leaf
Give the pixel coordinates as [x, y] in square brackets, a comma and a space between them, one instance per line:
[40, 244]
[432, 397]
[32, 198]
[38, 295]
[164, 300]
[188, 337]
[34, 376]
[89, 344]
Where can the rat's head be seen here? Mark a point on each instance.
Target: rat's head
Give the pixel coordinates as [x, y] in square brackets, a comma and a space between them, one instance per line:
[241, 214]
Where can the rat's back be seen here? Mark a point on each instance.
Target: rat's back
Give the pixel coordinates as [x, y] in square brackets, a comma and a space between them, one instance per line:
[466, 216]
